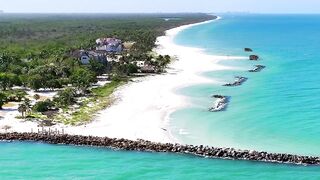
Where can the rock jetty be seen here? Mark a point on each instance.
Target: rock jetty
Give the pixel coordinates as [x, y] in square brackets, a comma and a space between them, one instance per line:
[142, 145]
[220, 104]
[254, 57]
[238, 82]
[248, 50]
[257, 68]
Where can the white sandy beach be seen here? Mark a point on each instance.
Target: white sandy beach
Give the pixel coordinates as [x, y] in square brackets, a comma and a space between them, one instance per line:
[143, 108]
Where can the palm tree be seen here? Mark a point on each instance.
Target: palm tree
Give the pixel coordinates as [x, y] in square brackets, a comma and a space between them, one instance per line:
[22, 109]
[27, 103]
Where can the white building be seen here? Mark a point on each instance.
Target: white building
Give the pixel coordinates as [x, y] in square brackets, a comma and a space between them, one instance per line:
[140, 64]
[84, 58]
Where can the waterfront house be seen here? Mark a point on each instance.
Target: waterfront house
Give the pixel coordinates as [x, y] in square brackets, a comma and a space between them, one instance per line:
[84, 57]
[110, 45]
[148, 69]
[98, 56]
[81, 55]
[114, 58]
[140, 64]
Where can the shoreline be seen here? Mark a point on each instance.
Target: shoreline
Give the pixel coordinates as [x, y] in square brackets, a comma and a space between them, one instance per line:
[142, 108]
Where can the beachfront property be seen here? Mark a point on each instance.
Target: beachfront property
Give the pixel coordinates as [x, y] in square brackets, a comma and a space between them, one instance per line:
[148, 69]
[114, 58]
[86, 56]
[83, 56]
[110, 45]
[140, 64]
[145, 67]
[106, 50]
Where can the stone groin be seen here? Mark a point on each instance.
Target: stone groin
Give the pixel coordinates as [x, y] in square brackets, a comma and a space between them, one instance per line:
[254, 57]
[220, 104]
[248, 50]
[142, 145]
[257, 68]
[238, 82]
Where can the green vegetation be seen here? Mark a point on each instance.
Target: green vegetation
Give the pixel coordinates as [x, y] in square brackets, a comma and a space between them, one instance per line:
[43, 106]
[15, 95]
[24, 107]
[47, 35]
[65, 98]
[3, 99]
[82, 78]
[38, 52]
[100, 97]
[7, 80]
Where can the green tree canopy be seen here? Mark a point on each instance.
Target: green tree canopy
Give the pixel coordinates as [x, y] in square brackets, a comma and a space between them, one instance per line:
[65, 98]
[3, 99]
[82, 78]
[43, 106]
[7, 80]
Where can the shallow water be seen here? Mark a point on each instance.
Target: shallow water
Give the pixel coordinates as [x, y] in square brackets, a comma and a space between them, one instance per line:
[43, 161]
[277, 109]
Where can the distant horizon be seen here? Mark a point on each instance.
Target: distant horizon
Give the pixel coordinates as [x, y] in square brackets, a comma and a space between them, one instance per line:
[209, 13]
[163, 6]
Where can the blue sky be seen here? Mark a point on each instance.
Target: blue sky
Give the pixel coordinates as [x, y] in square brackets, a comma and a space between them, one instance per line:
[131, 6]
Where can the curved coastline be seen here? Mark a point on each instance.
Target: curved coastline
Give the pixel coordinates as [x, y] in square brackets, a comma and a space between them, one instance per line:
[131, 123]
[143, 107]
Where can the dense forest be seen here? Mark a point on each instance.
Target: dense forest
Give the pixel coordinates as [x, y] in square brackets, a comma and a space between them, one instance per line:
[26, 34]
[35, 49]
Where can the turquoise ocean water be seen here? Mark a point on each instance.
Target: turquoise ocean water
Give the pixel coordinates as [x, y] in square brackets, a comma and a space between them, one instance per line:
[42, 161]
[275, 110]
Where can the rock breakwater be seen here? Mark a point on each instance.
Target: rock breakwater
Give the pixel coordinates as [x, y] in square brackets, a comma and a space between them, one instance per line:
[238, 82]
[257, 68]
[254, 57]
[142, 145]
[220, 104]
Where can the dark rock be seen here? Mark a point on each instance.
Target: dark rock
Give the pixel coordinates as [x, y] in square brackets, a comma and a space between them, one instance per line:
[257, 68]
[254, 57]
[142, 145]
[220, 104]
[238, 82]
[248, 50]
